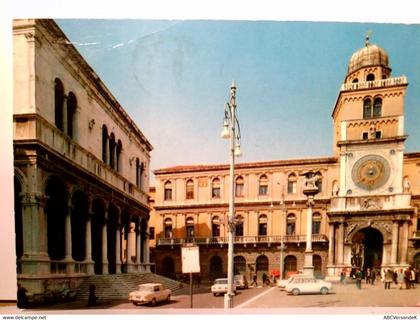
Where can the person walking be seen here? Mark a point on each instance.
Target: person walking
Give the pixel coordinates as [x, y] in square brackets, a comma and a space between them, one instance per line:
[372, 276]
[368, 275]
[400, 278]
[389, 277]
[407, 275]
[254, 280]
[342, 277]
[359, 277]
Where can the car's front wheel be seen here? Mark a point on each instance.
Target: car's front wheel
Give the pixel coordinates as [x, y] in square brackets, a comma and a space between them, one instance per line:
[324, 290]
[214, 293]
[295, 291]
[135, 303]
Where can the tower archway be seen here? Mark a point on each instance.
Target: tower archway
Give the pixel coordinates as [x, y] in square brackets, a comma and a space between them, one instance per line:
[367, 248]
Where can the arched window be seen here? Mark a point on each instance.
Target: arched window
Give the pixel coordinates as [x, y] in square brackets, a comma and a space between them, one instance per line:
[239, 187]
[58, 103]
[239, 265]
[262, 263]
[263, 185]
[292, 183]
[189, 189]
[139, 173]
[367, 108]
[370, 77]
[112, 150]
[118, 160]
[291, 224]
[355, 80]
[71, 113]
[189, 227]
[215, 227]
[167, 226]
[104, 144]
[317, 262]
[239, 226]
[377, 107]
[319, 183]
[316, 223]
[262, 225]
[215, 188]
[168, 191]
[290, 265]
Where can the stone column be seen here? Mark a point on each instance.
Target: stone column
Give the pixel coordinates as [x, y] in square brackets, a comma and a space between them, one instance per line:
[118, 250]
[35, 259]
[88, 246]
[76, 123]
[146, 252]
[340, 253]
[308, 267]
[104, 250]
[404, 243]
[68, 242]
[331, 244]
[130, 247]
[394, 245]
[138, 249]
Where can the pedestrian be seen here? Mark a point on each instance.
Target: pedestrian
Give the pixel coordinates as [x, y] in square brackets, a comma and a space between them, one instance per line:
[254, 280]
[407, 275]
[22, 300]
[359, 277]
[368, 275]
[400, 278]
[264, 279]
[389, 277]
[412, 278]
[342, 277]
[372, 276]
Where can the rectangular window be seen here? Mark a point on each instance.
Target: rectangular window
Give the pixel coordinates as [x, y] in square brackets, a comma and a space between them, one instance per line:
[291, 187]
[378, 134]
[365, 135]
[168, 194]
[152, 233]
[215, 193]
[239, 190]
[263, 190]
[190, 193]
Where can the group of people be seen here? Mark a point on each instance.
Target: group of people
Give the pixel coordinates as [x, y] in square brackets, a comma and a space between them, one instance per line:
[401, 277]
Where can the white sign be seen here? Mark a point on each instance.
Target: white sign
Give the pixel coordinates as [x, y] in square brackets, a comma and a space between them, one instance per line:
[190, 257]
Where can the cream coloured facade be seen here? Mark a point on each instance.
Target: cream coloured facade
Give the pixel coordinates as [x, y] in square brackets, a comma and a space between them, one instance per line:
[81, 167]
[365, 215]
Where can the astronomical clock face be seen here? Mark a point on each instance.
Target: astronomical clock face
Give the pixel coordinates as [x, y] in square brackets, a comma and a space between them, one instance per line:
[370, 172]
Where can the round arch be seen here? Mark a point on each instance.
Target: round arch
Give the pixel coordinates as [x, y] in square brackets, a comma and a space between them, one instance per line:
[367, 248]
[290, 265]
[239, 265]
[168, 267]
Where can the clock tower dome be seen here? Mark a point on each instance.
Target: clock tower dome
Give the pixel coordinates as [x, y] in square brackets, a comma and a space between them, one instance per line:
[369, 125]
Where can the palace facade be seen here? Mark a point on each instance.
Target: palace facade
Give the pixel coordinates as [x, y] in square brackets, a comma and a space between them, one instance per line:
[365, 215]
[81, 167]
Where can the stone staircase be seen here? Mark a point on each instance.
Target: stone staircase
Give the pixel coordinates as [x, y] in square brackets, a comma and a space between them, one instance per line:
[118, 286]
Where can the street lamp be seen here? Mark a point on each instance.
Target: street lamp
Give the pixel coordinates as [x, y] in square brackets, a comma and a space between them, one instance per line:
[232, 131]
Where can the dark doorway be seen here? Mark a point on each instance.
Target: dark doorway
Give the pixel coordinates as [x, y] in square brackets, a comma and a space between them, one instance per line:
[367, 247]
[216, 268]
[168, 267]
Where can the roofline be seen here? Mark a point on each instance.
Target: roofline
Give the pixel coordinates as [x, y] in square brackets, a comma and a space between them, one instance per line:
[52, 27]
[246, 165]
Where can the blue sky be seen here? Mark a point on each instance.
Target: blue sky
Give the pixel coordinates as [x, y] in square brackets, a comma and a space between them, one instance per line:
[173, 78]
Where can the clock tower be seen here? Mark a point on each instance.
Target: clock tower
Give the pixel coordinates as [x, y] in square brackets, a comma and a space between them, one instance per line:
[368, 201]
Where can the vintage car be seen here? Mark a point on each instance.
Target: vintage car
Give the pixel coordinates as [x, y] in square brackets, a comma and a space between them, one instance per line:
[281, 283]
[150, 293]
[220, 286]
[240, 281]
[307, 284]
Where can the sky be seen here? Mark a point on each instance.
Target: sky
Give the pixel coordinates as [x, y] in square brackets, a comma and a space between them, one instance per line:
[173, 78]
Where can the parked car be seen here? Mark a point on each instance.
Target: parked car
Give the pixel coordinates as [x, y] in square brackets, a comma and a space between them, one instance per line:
[307, 284]
[281, 283]
[150, 293]
[220, 286]
[240, 281]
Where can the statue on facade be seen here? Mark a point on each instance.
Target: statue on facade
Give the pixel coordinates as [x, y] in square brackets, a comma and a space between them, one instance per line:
[357, 250]
[312, 179]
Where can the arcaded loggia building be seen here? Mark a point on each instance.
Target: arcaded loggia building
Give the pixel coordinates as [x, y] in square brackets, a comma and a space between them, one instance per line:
[81, 167]
[365, 214]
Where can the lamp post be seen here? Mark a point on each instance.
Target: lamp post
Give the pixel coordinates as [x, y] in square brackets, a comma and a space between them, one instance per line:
[231, 130]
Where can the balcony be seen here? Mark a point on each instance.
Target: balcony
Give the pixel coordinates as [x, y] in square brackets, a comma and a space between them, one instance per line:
[374, 84]
[30, 127]
[240, 240]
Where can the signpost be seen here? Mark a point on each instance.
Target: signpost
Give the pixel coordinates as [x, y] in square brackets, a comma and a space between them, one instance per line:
[190, 258]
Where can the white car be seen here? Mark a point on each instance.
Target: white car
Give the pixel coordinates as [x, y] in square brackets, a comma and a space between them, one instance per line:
[307, 284]
[220, 286]
[281, 283]
[150, 293]
[240, 281]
